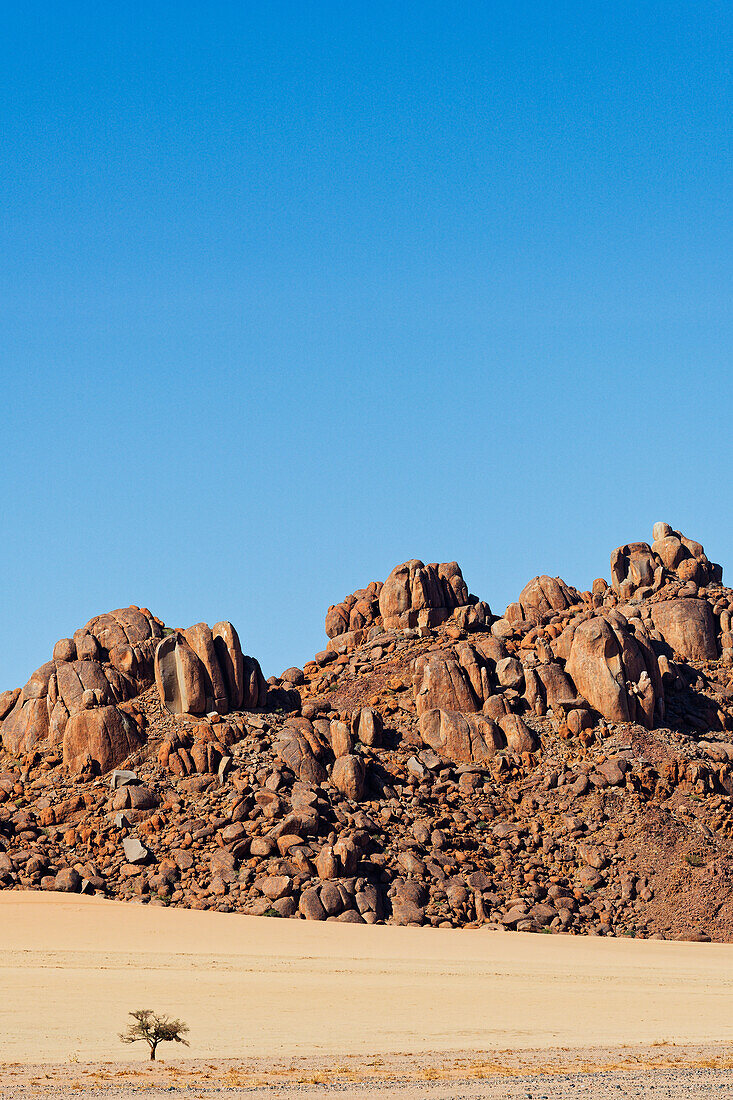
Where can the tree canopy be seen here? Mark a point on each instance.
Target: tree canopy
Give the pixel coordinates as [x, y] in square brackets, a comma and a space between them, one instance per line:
[152, 1028]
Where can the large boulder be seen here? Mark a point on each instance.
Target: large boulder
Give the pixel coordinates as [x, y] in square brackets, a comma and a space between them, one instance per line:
[442, 683]
[477, 668]
[367, 726]
[254, 695]
[634, 566]
[550, 686]
[462, 738]
[231, 661]
[305, 750]
[542, 596]
[25, 726]
[105, 735]
[687, 625]
[201, 641]
[8, 699]
[180, 676]
[348, 776]
[671, 552]
[616, 670]
[73, 678]
[519, 737]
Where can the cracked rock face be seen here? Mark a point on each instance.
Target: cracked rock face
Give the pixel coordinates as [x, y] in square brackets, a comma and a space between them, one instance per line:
[105, 735]
[414, 594]
[443, 683]
[543, 595]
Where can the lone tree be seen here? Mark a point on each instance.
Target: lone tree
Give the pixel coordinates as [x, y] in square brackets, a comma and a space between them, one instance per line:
[152, 1029]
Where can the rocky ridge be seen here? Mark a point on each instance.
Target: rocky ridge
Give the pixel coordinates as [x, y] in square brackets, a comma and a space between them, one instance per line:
[567, 766]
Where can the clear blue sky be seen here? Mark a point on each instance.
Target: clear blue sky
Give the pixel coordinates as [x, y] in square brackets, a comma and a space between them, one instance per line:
[291, 292]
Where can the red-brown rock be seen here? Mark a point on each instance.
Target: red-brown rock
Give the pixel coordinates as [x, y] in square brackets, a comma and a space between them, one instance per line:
[348, 775]
[201, 641]
[687, 626]
[231, 661]
[616, 671]
[25, 726]
[440, 682]
[541, 596]
[519, 737]
[180, 676]
[106, 735]
[462, 738]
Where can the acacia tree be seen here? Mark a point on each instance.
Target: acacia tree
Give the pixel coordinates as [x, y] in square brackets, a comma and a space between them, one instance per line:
[148, 1027]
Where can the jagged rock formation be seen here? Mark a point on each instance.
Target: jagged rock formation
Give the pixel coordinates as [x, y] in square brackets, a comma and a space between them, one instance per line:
[200, 670]
[108, 661]
[568, 766]
[77, 699]
[413, 595]
[356, 612]
[638, 569]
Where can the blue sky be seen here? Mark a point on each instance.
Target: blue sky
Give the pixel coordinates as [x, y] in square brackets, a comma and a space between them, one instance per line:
[292, 292]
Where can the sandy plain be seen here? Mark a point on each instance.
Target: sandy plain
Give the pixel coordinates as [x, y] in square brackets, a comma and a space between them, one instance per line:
[292, 1005]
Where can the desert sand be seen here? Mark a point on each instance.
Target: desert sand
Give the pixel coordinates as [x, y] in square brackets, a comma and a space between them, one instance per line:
[72, 967]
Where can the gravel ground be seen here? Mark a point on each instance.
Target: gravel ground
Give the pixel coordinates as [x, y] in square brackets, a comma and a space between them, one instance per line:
[656, 1083]
[598, 1074]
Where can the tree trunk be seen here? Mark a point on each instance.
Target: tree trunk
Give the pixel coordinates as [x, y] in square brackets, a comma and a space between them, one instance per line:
[152, 1054]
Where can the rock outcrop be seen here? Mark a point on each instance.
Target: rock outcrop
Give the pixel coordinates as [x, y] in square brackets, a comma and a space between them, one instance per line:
[541, 596]
[108, 661]
[201, 671]
[566, 768]
[616, 670]
[357, 612]
[638, 569]
[413, 595]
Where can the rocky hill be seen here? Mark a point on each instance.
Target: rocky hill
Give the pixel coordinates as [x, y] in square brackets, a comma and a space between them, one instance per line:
[564, 767]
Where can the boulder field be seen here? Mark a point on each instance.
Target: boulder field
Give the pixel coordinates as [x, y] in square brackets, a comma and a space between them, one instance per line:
[565, 767]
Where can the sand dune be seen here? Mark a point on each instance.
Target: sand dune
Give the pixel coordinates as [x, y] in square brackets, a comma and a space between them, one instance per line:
[71, 968]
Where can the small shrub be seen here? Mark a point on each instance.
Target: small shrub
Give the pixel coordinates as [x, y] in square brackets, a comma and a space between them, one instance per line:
[694, 860]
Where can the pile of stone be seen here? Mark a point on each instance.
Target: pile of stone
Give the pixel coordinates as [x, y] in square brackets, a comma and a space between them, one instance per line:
[566, 767]
[413, 595]
[638, 570]
[107, 662]
[83, 699]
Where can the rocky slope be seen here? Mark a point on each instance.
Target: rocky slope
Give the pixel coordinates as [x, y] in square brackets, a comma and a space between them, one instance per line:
[567, 766]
